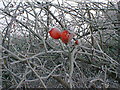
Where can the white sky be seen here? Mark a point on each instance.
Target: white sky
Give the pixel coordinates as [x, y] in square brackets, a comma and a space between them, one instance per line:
[60, 1]
[72, 2]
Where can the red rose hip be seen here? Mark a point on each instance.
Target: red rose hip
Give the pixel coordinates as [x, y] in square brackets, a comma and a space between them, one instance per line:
[66, 37]
[55, 33]
[76, 42]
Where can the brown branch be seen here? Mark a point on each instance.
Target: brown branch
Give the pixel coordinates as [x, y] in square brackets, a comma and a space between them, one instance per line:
[55, 17]
[61, 81]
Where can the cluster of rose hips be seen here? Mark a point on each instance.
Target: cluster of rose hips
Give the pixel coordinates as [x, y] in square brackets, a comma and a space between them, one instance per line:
[65, 35]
